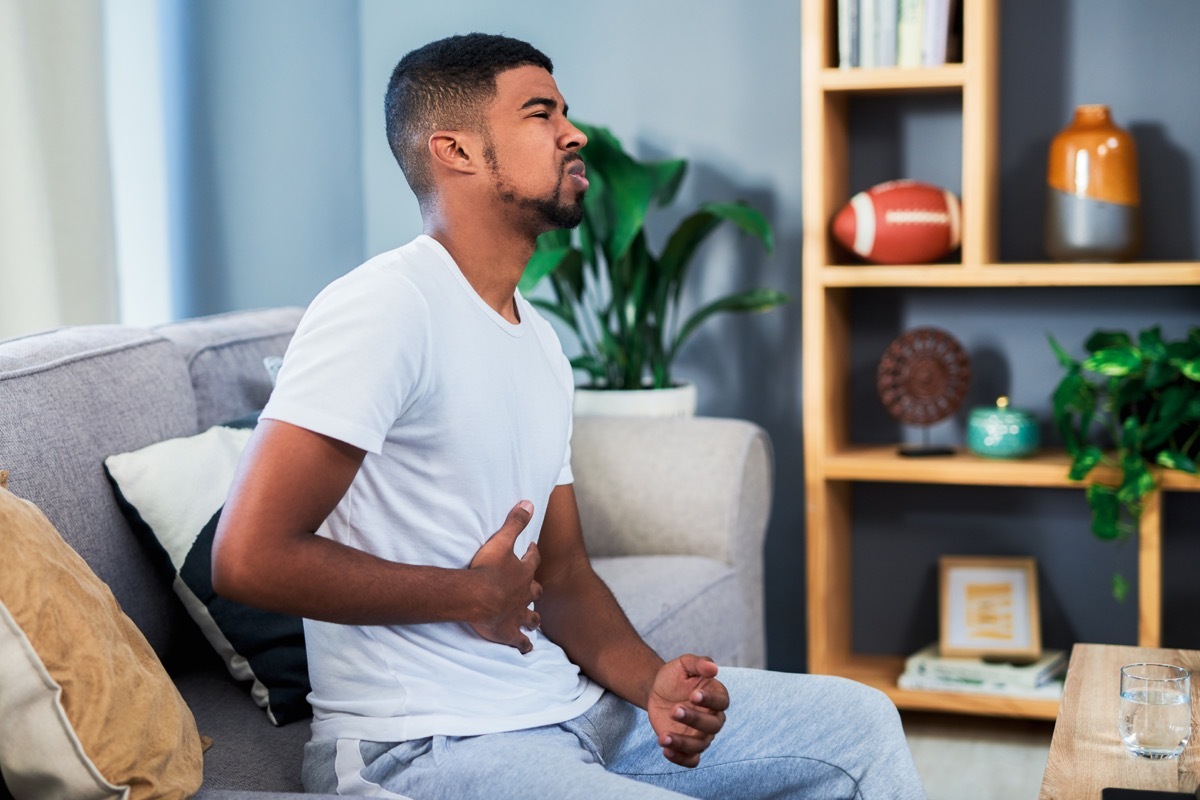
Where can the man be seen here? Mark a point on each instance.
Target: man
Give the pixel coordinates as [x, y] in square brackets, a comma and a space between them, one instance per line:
[460, 644]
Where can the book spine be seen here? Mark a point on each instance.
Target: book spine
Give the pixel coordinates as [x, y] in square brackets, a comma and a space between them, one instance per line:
[937, 28]
[885, 32]
[867, 18]
[908, 33]
[845, 33]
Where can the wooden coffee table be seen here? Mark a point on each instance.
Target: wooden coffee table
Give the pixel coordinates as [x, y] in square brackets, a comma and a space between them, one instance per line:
[1086, 754]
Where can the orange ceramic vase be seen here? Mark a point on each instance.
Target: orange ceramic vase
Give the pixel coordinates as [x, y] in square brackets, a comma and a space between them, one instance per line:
[1092, 202]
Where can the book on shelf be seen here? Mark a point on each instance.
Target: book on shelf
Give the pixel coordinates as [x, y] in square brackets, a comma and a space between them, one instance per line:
[1047, 691]
[887, 12]
[908, 33]
[868, 21]
[940, 29]
[847, 23]
[928, 665]
[904, 33]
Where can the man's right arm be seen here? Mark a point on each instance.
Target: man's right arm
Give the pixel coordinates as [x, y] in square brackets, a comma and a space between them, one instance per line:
[267, 554]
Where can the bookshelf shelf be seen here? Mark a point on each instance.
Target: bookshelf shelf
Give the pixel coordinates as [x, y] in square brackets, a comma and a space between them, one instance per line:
[889, 80]
[1047, 470]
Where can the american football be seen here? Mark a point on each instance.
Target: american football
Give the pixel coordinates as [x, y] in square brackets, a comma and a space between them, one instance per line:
[899, 222]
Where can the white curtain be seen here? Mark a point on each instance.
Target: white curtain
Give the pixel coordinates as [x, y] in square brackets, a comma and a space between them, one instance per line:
[57, 261]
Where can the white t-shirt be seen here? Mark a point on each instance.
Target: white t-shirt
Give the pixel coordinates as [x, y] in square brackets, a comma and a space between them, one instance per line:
[462, 415]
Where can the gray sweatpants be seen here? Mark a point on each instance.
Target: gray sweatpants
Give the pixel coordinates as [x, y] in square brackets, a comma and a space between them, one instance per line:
[786, 736]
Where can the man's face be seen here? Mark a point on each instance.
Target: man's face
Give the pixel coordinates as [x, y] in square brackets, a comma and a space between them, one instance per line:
[532, 150]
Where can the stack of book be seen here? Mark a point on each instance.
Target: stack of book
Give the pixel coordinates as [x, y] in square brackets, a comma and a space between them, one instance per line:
[928, 670]
[898, 33]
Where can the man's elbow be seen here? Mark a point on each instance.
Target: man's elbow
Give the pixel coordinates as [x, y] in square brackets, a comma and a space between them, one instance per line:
[230, 572]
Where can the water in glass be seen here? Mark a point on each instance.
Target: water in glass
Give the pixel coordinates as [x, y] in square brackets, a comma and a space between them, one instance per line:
[1155, 719]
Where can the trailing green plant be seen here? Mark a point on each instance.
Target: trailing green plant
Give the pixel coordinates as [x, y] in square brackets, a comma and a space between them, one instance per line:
[1133, 406]
[619, 298]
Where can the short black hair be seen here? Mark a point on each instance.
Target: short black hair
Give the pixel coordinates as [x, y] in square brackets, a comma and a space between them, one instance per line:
[444, 86]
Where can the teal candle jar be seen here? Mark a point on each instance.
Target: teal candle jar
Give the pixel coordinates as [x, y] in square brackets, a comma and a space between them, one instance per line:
[1002, 432]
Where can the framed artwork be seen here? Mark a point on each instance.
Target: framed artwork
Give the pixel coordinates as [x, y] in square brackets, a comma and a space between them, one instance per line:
[989, 608]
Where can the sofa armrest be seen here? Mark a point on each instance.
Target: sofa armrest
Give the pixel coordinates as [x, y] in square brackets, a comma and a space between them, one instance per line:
[679, 486]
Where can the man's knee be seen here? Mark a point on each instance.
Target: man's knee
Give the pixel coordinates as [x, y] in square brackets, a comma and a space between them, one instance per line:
[871, 706]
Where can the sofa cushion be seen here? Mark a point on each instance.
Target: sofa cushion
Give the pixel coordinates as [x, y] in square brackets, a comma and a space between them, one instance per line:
[173, 493]
[224, 355]
[248, 753]
[90, 711]
[679, 604]
[70, 398]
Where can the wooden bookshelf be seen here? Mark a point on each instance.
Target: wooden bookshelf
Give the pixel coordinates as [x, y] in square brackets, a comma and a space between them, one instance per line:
[832, 462]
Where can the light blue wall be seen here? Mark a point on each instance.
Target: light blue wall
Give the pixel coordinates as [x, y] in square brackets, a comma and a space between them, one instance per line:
[264, 169]
[296, 184]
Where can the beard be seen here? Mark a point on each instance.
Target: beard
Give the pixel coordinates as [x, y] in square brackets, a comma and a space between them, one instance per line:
[553, 211]
[548, 212]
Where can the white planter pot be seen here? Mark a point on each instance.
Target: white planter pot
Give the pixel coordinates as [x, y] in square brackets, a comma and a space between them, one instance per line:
[678, 401]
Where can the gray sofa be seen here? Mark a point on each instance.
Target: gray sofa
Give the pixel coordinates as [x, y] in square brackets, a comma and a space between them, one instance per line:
[674, 511]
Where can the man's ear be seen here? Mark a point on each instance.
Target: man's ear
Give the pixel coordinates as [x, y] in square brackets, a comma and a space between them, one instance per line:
[458, 151]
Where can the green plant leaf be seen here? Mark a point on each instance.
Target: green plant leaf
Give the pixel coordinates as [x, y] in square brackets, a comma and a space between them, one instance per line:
[1127, 395]
[1167, 413]
[568, 278]
[541, 264]
[1130, 434]
[591, 365]
[1151, 345]
[1173, 459]
[1160, 374]
[742, 302]
[1114, 361]
[630, 187]
[1136, 482]
[1064, 358]
[1073, 404]
[690, 233]
[1105, 511]
[666, 178]
[1103, 340]
[749, 220]
[1190, 369]
[1085, 460]
[1120, 587]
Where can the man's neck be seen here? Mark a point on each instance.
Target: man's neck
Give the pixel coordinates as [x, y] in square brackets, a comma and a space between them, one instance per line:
[492, 261]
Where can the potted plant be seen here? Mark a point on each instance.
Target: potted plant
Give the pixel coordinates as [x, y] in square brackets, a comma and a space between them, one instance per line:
[619, 298]
[1133, 406]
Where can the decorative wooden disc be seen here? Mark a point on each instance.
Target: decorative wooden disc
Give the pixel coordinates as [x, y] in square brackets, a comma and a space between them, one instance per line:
[923, 376]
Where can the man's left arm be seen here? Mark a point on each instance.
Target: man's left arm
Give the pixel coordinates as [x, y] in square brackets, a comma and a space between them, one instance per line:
[684, 700]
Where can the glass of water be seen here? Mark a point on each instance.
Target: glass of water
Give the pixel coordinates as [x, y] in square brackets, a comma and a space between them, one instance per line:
[1156, 712]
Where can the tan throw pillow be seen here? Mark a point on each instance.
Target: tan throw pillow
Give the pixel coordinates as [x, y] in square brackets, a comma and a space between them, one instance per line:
[86, 708]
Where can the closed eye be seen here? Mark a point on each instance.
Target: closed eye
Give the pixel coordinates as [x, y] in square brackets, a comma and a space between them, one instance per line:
[545, 106]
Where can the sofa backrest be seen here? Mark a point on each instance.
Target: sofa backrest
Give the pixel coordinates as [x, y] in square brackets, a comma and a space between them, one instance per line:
[69, 399]
[224, 355]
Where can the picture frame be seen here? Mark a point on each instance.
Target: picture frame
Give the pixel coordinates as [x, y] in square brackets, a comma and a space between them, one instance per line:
[989, 608]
